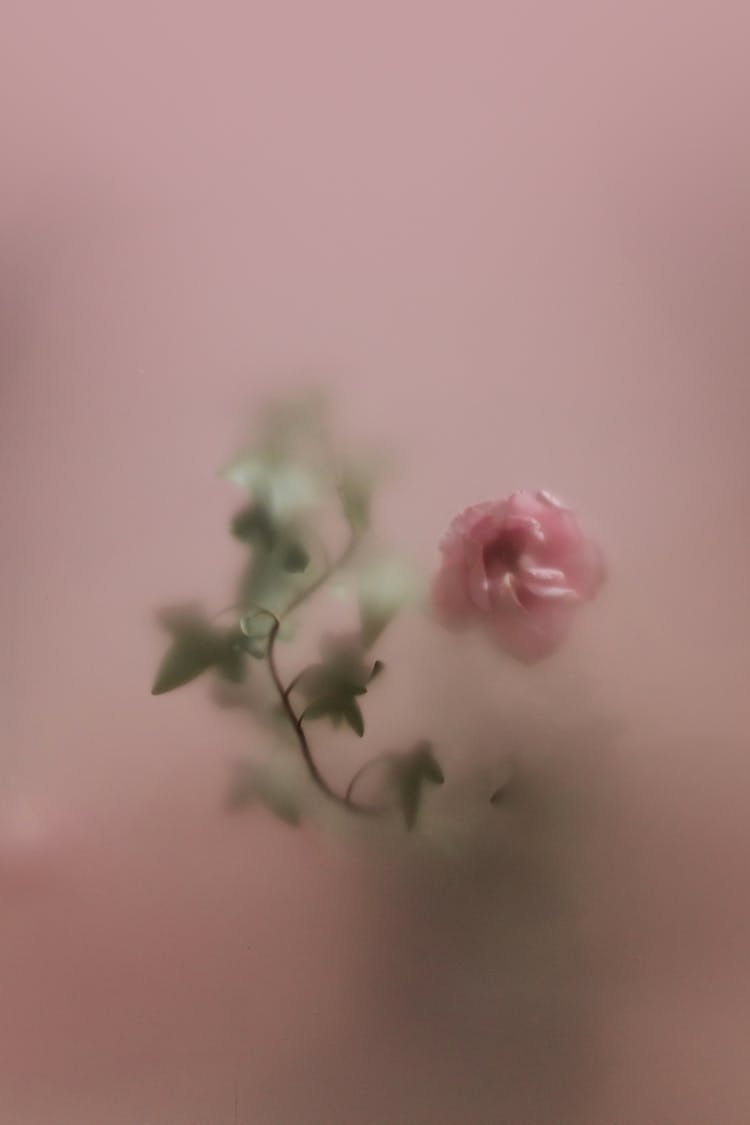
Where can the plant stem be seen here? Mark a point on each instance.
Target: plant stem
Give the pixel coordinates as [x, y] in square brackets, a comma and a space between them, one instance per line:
[296, 720]
[292, 715]
[293, 683]
[361, 772]
[296, 723]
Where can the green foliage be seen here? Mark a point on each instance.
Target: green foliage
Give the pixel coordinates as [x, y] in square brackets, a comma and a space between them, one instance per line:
[284, 467]
[296, 558]
[411, 772]
[269, 784]
[286, 490]
[333, 685]
[355, 493]
[278, 558]
[338, 708]
[255, 526]
[288, 471]
[386, 585]
[231, 664]
[197, 646]
[357, 477]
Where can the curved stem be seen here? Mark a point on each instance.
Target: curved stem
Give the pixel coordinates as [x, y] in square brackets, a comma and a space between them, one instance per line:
[293, 683]
[362, 771]
[292, 715]
[304, 745]
[296, 720]
[301, 596]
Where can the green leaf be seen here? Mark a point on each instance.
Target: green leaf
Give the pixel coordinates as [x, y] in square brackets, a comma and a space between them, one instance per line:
[296, 559]
[253, 524]
[263, 583]
[268, 784]
[411, 772]
[281, 804]
[358, 474]
[352, 712]
[232, 666]
[284, 488]
[275, 548]
[321, 709]
[184, 661]
[342, 670]
[334, 683]
[272, 577]
[384, 588]
[196, 647]
[337, 708]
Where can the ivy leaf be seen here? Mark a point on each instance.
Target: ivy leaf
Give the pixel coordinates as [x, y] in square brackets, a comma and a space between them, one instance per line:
[272, 574]
[197, 646]
[184, 661]
[332, 685]
[324, 708]
[279, 801]
[254, 524]
[284, 488]
[384, 588]
[232, 665]
[285, 466]
[352, 712]
[342, 668]
[192, 652]
[358, 474]
[338, 708]
[411, 773]
[296, 558]
[266, 581]
[272, 784]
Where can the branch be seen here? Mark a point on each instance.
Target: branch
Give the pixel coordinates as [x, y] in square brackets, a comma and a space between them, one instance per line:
[296, 723]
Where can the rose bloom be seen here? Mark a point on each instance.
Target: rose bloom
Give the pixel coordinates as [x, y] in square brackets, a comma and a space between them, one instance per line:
[521, 567]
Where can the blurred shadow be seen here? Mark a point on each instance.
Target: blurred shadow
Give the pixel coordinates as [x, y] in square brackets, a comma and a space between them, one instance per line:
[477, 1000]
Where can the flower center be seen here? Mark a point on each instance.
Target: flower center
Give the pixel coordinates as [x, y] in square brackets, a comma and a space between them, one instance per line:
[502, 555]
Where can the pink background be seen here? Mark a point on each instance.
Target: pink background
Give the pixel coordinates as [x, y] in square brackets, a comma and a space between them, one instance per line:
[514, 239]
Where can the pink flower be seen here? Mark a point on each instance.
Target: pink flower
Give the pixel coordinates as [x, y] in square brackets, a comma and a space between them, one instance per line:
[522, 567]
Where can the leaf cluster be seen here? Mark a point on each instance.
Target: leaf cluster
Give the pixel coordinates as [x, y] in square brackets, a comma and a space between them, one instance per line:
[333, 685]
